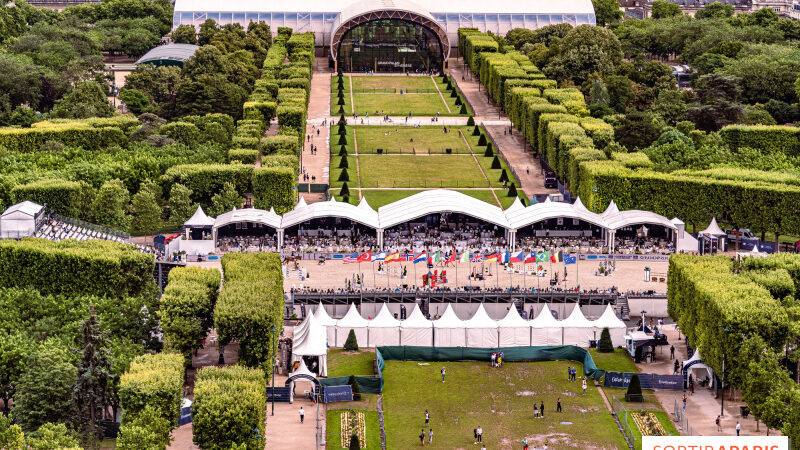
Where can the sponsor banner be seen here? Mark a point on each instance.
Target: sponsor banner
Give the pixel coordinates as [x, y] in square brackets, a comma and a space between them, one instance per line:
[281, 394]
[648, 380]
[338, 394]
[715, 443]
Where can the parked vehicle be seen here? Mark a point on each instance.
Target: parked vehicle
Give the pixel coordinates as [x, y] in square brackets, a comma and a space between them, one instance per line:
[550, 180]
[744, 235]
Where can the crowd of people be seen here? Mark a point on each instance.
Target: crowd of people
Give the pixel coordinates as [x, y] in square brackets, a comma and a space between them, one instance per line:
[247, 244]
[414, 237]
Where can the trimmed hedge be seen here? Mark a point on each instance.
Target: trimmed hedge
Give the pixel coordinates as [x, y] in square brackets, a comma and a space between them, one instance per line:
[155, 381]
[63, 197]
[280, 144]
[96, 267]
[243, 155]
[250, 304]
[73, 134]
[230, 408]
[275, 187]
[205, 180]
[183, 132]
[281, 161]
[187, 308]
[769, 138]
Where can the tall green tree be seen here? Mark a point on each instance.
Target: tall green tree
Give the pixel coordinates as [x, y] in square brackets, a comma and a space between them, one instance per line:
[88, 99]
[586, 50]
[208, 30]
[606, 12]
[185, 34]
[90, 393]
[44, 391]
[11, 435]
[180, 204]
[111, 205]
[14, 351]
[663, 8]
[225, 200]
[716, 10]
[135, 100]
[146, 212]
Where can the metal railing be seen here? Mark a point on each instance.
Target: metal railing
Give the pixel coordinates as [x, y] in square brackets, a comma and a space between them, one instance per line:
[92, 227]
[681, 419]
[627, 425]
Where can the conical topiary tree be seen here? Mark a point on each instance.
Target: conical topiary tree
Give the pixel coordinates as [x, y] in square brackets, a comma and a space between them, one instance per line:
[634, 393]
[342, 139]
[496, 163]
[352, 380]
[339, 73]
[503, 176]
[604, 345]
[343, 164]
[454, 94]
[340, 102]
[354, 445]
[351, 344]
[489, 151]
[341, 130]
[512, 190]
[344, 176]
[340, 110]
[343, 151]
[471, 121]
[458, 101]
[342, 120]
[482, 140]
[476, 131]
[344, 191]
[463, 109]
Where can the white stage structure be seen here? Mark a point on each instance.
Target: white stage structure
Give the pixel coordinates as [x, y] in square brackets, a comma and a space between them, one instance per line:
[481, 329]
[416, 330]
[616, 327]
[449, 330]
[352, 321]
[310, 340]
[328, 322]
[513, 330]
[545, 329]
[384, 329]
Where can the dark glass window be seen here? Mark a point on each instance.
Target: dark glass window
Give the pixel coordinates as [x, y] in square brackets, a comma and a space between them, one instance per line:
[390, 45]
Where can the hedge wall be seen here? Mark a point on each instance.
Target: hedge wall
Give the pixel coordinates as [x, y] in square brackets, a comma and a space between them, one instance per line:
[230, 408]
[250, 304]
[769, 138]
[187, 308]
[280, 144]
[102, 268]
[205, 180]
[243, 155]
[275, 187]
[155, 381]
[63, 197]
[26, 140]
[284, 161]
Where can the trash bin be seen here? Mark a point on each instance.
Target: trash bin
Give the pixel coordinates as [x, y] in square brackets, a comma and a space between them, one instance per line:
[744, 411]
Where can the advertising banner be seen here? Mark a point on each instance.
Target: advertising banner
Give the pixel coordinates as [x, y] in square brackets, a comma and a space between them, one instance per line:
[648, 380]
[715, 443]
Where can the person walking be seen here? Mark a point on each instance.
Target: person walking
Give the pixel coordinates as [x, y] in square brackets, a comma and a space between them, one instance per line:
[444, 372]
[422, 437]
[558, 404]
[719, 425]
[684, 402]
[480, 434]
[569, 373]
[541, 409]
[302, 414]
[675, 367]
[430, 436]
[427, 417]
[672, 352]
[524, 444]
[584, 385]
[738, 428]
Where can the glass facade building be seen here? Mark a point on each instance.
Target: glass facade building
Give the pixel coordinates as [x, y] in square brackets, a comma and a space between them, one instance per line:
[390, 45]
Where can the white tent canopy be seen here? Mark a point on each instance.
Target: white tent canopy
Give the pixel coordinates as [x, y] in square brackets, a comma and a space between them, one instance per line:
[577, 329]
[616, 327]
[696, 367]
[438, 201]
[352, 321]
[514, 331]
[199, 220]
[713, 229]
[364, 215]
[328, 322]
[545, 329]
[310, 340]
[449, 330]
[19, 220]
[481, 330]
[416, 330]
[384, 329]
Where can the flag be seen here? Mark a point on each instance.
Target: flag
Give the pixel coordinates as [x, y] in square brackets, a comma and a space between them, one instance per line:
[365, 257]
[408, 257]
[506, 257]
[557, 256]
[570, 259]
[542, 257]
[379, 257]
[477, 257]
[464, 257]
[393, 257]
[437, 256]
[350, 259]
[420, 258]
[451, 258]
[530, 258]
[494, 257]
[517, 257]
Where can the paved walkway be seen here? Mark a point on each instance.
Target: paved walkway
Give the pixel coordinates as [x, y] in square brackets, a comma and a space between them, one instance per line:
[702, 408]
[315, 167]
[284, 430]
[484, 108]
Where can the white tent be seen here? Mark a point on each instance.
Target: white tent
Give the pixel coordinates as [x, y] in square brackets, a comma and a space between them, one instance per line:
[481, 330]
[616, 327]
[310, 340]
[328, 322]
[416, 330]
[545, 329]
[697, 368]
[713, 229]
[352, 321]
[384, 329]
[199, 220]
[20, 220]
[302, 369]
[577, 329]
[449, 330]
[514, 331]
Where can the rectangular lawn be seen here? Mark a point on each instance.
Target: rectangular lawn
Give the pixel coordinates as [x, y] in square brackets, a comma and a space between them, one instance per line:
[425, 104]
[398, 139]
[410, 171]
[500, 400]
[392, 83]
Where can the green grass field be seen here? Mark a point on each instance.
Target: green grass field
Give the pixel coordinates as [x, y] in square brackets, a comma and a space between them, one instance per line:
[399, 139]
[341, 363]
[379, 95]
[500, 400]
[410, 171]
[619, 361]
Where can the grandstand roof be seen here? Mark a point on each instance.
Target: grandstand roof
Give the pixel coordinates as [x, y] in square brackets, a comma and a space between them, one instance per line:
[168, 55]
[551, 210]
[438, 201]
[27, 207]
[303, 212]
[252, 215]
[636, 217]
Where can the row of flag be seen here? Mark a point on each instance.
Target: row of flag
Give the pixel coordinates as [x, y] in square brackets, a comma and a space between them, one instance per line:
[437, 257]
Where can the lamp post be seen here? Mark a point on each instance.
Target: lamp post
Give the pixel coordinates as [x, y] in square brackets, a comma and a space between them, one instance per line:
[274, 357]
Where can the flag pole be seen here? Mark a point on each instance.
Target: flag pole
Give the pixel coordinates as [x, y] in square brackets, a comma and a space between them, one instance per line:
[414, 263]
[374, 281]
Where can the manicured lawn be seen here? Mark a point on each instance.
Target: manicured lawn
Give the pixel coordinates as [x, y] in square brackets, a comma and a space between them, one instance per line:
[342, 363]
[392, 84]
[379, 95]
[494, 174]
[348, 108]
[333, 429]
[399, 139]
[500, 400]
[662, 417]
[335, 172]
[425, 104]
[420, 171]
[619, 361]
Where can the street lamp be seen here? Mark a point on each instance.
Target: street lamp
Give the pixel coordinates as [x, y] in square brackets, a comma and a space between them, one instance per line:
[274, 358]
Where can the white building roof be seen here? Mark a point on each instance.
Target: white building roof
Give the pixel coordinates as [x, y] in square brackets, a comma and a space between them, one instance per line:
[252, 215]
[551, 210]
[303, 212]
[513, 319]
[27, 208]
[480, 319]
[449, 319]
[437, 201]
[199, 219]
[384, 319]
[352, 319]
[630, 217]
[416, 320]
